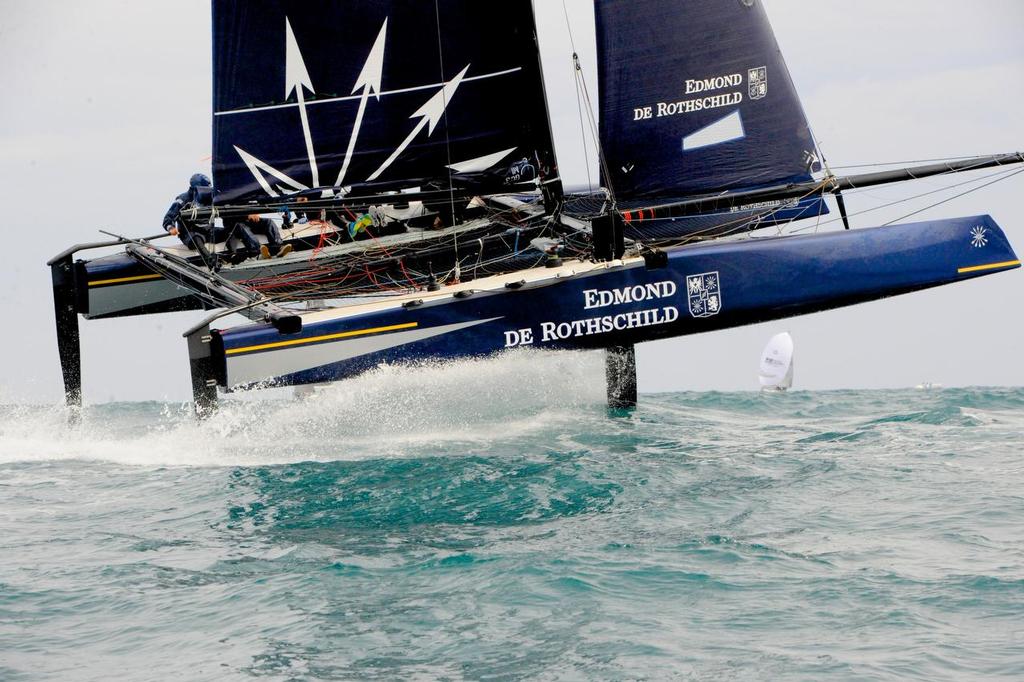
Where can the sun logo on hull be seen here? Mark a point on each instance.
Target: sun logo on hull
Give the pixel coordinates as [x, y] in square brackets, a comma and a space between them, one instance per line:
[978, 238]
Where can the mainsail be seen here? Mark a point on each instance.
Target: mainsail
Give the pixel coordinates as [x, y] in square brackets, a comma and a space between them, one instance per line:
[331, 95]
[695, 99]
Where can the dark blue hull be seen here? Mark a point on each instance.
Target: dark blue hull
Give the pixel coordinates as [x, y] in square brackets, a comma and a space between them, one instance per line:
[699, 288]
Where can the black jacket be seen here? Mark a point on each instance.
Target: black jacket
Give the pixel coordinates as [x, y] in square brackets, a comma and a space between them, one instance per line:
[185, 202]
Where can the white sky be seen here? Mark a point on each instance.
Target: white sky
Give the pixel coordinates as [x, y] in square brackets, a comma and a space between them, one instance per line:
[105, 113]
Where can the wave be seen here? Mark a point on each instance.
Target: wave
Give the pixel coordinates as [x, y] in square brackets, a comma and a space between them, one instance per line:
[388, 412]
[508, 404]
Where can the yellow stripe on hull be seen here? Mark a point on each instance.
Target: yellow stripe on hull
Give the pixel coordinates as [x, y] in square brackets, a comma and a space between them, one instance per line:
[990, 266]
[122, 280]
[325, 337]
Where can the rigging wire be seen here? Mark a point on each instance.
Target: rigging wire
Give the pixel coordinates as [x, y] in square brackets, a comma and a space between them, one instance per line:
[581, 86]
[1005, 173]
[447, 134]
[829, 175]
[583, 134]
[594, 130]
[955, 196]
[903, 163]
[380, 265]
[749, 223]
[579, 104]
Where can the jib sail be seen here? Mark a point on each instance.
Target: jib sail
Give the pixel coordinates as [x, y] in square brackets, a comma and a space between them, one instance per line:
[695, 98]
[331, 95]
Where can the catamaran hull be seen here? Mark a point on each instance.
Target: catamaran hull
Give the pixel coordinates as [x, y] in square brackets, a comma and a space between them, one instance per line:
[119, 285]
[694, 289]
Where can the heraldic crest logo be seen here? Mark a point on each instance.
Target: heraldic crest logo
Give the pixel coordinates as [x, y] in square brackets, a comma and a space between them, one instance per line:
[757, 82]
[704, 293]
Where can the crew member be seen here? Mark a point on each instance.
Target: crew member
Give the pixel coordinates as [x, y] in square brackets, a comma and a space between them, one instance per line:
[256, 224]
[178, 222]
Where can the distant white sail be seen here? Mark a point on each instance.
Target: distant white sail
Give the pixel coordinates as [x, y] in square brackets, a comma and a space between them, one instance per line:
[777, 363]
[928, 386]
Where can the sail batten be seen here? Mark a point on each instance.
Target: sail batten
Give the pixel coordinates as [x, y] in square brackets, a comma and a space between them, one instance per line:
[696, 99]
[335, 95]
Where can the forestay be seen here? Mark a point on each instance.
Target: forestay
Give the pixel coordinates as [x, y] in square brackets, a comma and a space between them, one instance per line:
[695, 99]
[329, 95]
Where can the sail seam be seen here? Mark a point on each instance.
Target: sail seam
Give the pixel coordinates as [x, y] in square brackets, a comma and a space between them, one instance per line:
[385, 93]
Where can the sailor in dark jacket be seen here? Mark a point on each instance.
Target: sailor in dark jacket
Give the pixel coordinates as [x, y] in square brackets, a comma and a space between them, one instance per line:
[200, 237]
[189, 231]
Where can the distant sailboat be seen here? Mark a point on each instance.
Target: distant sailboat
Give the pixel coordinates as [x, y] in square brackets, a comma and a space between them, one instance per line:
[777, 363]
[928, 386]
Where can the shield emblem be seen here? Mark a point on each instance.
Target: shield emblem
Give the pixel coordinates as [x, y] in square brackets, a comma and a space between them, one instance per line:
[757, 82]
[704, 293]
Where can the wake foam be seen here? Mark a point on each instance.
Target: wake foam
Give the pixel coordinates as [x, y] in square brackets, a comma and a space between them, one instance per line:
[392, 411]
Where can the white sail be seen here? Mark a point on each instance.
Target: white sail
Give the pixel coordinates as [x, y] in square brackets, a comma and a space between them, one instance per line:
[777, 363]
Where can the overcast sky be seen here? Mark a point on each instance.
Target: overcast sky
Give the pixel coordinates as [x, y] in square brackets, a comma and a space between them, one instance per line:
[106, 112]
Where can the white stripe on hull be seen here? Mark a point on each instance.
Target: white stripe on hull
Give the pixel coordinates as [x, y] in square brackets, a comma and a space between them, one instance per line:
[118, 297]
[255, 367]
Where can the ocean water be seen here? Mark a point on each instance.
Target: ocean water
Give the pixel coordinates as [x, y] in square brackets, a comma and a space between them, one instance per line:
[491, 520]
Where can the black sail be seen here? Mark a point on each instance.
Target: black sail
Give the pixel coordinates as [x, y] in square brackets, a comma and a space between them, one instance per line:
[695, 99]
[338, 94]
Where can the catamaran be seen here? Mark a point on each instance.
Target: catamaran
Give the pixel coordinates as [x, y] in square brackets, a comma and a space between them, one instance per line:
[410, 146]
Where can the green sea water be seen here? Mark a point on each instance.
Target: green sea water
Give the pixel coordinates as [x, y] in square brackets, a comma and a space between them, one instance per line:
[491, 520]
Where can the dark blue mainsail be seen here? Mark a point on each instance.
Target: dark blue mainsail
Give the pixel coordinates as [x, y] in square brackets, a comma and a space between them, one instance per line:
[335, 94]
[695, 98]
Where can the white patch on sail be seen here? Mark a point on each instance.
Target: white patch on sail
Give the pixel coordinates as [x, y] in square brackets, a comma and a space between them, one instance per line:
[480, 163]
[725, 129]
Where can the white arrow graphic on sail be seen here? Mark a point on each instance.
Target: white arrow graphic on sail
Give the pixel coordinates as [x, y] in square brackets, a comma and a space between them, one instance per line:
[431, 113]
[369, 80]
[255, 166]
[295, 78]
